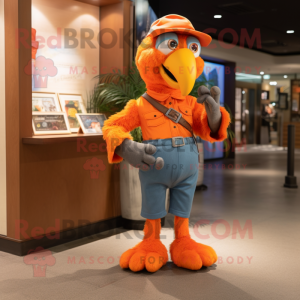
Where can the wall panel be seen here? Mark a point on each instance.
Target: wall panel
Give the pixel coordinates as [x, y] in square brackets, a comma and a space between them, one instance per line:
[3, 212]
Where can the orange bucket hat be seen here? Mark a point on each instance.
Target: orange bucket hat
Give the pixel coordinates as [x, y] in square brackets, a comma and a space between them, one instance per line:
[176, 23]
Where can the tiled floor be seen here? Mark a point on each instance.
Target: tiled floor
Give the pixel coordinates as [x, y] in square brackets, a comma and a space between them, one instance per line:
[260, 263]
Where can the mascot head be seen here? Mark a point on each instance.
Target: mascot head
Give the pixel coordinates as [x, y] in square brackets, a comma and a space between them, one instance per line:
[169, 55]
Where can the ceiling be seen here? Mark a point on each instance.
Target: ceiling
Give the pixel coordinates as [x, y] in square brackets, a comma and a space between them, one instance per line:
[271, 19]
[99, 2]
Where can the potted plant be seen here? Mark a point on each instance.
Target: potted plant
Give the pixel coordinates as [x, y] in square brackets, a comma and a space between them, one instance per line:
[110, 95]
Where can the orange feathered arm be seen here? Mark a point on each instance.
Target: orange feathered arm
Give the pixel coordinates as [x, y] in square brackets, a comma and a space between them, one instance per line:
[201, 127]
[117, 128]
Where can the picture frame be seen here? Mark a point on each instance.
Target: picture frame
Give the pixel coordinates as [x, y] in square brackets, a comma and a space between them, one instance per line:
[45, 102]
[50, 123]
[265, 95]
[295, 105]
[91, 123]
[72, 104]
[283, 101]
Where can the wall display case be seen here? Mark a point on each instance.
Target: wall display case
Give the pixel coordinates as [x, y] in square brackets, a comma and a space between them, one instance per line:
[67, 60]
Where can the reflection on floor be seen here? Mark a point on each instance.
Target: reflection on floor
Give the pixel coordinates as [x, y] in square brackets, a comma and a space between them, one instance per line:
[253, 225]
[258, 148]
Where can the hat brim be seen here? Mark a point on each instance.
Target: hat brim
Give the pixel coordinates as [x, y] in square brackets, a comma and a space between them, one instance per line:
[204, 38]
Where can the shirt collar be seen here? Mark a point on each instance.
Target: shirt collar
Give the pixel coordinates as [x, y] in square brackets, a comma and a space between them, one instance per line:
[164, 93]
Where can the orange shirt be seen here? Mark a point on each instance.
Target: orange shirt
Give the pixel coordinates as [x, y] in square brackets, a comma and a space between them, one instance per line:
[156, 125]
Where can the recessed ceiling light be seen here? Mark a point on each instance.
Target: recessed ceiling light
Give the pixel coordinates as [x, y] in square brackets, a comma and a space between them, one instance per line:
[285, 76]
[267, 76]
[262, 73]
[273, 82]
[290, 31]
[217, 16]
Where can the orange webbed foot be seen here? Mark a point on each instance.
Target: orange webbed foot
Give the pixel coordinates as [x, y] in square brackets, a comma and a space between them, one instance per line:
[187, 253]
[149, 254]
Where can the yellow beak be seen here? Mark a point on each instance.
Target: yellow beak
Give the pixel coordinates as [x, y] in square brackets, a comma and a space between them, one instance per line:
[179, 70]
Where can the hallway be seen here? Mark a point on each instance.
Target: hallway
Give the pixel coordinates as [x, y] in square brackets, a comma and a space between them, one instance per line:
[260, 261]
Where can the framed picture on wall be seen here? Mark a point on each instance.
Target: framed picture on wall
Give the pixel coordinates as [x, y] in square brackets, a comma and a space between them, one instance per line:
[265, 95]
[91, 123]
[283, 101]
[72, 105]
[295, 105]
[50, 123]
[45, 102]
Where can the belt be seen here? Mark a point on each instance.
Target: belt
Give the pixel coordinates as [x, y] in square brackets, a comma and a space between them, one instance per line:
[175, 142]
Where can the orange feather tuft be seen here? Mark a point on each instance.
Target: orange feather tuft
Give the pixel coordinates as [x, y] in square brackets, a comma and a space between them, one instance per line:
[117, 128]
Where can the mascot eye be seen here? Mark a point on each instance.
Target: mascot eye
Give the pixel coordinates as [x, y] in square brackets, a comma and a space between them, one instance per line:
[194, 45]
[167, 42]
[172, 44]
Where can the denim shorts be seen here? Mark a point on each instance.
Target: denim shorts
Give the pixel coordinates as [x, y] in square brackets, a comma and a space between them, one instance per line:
[179, 174]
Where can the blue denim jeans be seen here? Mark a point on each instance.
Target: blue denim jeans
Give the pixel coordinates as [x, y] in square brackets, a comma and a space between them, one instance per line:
[179, 174]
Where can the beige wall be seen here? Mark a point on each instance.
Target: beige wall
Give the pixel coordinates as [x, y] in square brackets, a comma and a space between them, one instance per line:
[3, 212]
[47, 17]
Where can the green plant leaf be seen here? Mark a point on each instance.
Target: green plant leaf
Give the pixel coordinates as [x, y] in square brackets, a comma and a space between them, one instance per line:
[112, 92]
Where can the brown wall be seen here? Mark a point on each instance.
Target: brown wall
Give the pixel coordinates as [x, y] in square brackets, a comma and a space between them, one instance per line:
[115, 19]
[18, 103]
[49, 182]
[55, 185]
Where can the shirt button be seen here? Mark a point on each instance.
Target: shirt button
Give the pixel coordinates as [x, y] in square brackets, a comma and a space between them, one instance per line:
[170, 103]
[174, 126]
[155, 116]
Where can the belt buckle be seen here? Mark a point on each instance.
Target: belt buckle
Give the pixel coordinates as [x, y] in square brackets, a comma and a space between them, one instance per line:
[178, 114]
[174, 141]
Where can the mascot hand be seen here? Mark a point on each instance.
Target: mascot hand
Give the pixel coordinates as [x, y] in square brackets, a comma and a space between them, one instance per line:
[139, 155]
[211, 100]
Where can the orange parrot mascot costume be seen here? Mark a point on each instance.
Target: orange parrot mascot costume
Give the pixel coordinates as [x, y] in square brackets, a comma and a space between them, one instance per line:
[169, 63]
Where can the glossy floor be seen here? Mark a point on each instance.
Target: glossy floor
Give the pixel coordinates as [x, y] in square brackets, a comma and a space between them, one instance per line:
[260, 261]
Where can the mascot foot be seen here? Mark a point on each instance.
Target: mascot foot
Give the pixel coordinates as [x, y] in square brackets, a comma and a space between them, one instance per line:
[150, 253]
[187, 253]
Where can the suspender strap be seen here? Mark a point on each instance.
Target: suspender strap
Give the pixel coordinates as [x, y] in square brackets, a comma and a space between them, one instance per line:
[173, 115]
